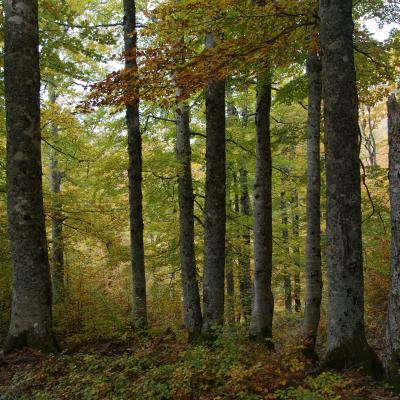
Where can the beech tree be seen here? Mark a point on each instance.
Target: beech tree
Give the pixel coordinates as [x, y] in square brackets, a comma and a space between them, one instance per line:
[313, 238]
[214, 209]
[392, 340]
[57, 248]
[31, 312]
[263, 301]
[191, 297]
[346, 344]
[139, 309]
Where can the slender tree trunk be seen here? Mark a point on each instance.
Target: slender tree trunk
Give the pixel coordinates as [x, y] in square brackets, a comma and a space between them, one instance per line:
[392, 342]
[313, 239]
[296, 250]
[287, 281]
[347, 345]
[229, 258]
[263, 301]
[244, 258]
[191, 297]
[214, 210]
[57, 249]
[31, 316]
[139, 309]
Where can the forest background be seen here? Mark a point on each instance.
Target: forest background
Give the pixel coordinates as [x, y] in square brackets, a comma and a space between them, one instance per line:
[84, 149]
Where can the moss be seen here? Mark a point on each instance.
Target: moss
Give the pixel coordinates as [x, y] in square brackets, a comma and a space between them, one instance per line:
[356, 353]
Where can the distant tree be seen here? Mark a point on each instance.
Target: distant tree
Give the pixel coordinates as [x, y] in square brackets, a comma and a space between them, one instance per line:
[57, 247]
[191, 298]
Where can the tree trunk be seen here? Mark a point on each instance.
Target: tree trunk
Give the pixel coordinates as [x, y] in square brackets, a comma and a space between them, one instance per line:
[263, 301]
[139, 308]
[31, 317]
[191, 297]
[244, 258]
[296, 250]
[214, 209]
[347, 345]
[313, 239]
[392, 342]
[229, 257]
[287, 282]
[57, 249]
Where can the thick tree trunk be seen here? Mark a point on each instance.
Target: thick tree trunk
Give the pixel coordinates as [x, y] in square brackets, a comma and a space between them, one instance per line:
[296, 250]
[347, 345]
[313, 239]
[392, 342]
[214, 209]
[263, 301]
[244, 257]
[31, 318]
[191, 297]
[57, 248]
[287, 281]
[139, 309]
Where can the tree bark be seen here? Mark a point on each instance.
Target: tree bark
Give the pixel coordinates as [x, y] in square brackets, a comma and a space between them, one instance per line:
[313, 212]
[139, 308]
[392, 342]
[214, 209]
[191, 297]
[263, 301]
[287, 281]
[346, 345]
[31, 316]
[57, 248]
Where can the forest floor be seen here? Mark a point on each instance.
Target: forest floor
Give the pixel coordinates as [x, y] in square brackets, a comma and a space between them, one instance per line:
[161, 366]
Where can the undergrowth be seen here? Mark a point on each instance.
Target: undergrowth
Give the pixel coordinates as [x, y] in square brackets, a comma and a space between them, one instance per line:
[160, 366]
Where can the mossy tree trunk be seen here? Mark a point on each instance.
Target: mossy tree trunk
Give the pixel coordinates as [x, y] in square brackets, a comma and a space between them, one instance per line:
[31, 314]
[346, 345]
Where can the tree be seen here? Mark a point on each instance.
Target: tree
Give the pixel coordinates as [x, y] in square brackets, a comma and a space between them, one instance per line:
[214, 209]
[139, 309]
[296, 250]
[31, 313]
[346, 345]
[263, 301]
[191, 297]
[57, 248]
[392, 340]
[245, 251]
[287, 281]
[313, 238]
